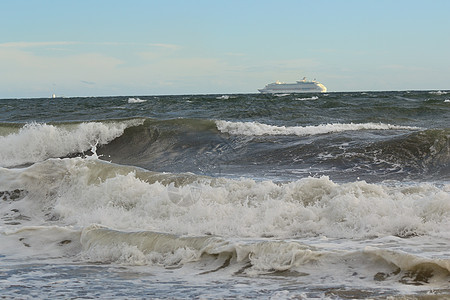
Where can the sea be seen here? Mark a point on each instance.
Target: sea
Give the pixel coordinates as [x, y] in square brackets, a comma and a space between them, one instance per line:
[235, 196]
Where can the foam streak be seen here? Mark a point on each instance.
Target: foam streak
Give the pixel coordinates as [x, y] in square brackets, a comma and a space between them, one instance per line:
[255, 128]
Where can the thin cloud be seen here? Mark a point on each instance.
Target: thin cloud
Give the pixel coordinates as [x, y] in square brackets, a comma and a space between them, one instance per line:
[235, 54]
[158, 45]
[87, 82]
[35, 44]
[69, 43]
[166, 46]
[396, 67]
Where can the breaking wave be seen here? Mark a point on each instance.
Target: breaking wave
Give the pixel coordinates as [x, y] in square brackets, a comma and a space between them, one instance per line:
[344, 201]
[212, 147]
[102, 212]
[81, 192]
[439, 93]
[136, 100]
[37, 142]
[308, 98]
[255, 128]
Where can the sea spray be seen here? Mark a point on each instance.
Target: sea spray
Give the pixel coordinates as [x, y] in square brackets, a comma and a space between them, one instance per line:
[36, 142]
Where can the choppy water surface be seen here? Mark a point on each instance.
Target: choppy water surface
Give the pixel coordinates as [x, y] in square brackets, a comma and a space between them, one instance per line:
[339, 195]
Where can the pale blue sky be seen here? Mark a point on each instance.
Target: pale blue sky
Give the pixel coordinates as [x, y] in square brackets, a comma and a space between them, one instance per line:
[93, 48]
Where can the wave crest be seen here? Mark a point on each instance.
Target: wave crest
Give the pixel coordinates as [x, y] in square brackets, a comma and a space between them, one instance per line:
[256, 257]
[256, 128]
[36, 141]
[136, 100]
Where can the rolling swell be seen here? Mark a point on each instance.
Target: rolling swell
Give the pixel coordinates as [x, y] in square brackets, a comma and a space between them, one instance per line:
[175, 145]
[425, 152]
[257, 258]
[370, 151]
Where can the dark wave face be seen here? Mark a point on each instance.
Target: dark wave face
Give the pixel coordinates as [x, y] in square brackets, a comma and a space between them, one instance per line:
[342, 151]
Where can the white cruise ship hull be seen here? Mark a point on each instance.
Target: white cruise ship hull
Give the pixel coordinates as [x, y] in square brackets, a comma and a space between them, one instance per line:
[301, 86]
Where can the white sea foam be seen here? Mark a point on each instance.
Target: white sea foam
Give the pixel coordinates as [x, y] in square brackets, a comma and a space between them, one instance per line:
[168, 249]
[256, 128]
[37, 142]
[439, 93]
[136, 100]
[309, 98]
[88, 192]
[321, 231]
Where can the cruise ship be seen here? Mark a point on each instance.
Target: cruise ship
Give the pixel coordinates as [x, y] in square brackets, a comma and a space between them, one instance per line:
[301, 86]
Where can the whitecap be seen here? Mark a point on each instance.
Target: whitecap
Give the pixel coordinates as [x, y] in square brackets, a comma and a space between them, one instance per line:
[39, 141]
[438, 93]
[223, 97]
[309, 98]
[136, 100]
[256, 128]
[83, 192]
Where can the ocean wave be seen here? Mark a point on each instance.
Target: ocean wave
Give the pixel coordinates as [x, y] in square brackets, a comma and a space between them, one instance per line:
[136, 100]
[308, 98]
[100, 212]
[207, 147]
[81, 192]
[171, 200]
[223, 97]
[256, 128]
[424, 150]
[205, 255]
[147, 247]
[39, 141]
[213, 147]
[439, 93]
[257, 257]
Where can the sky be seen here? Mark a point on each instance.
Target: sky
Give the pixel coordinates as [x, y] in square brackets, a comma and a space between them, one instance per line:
[133, 47]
